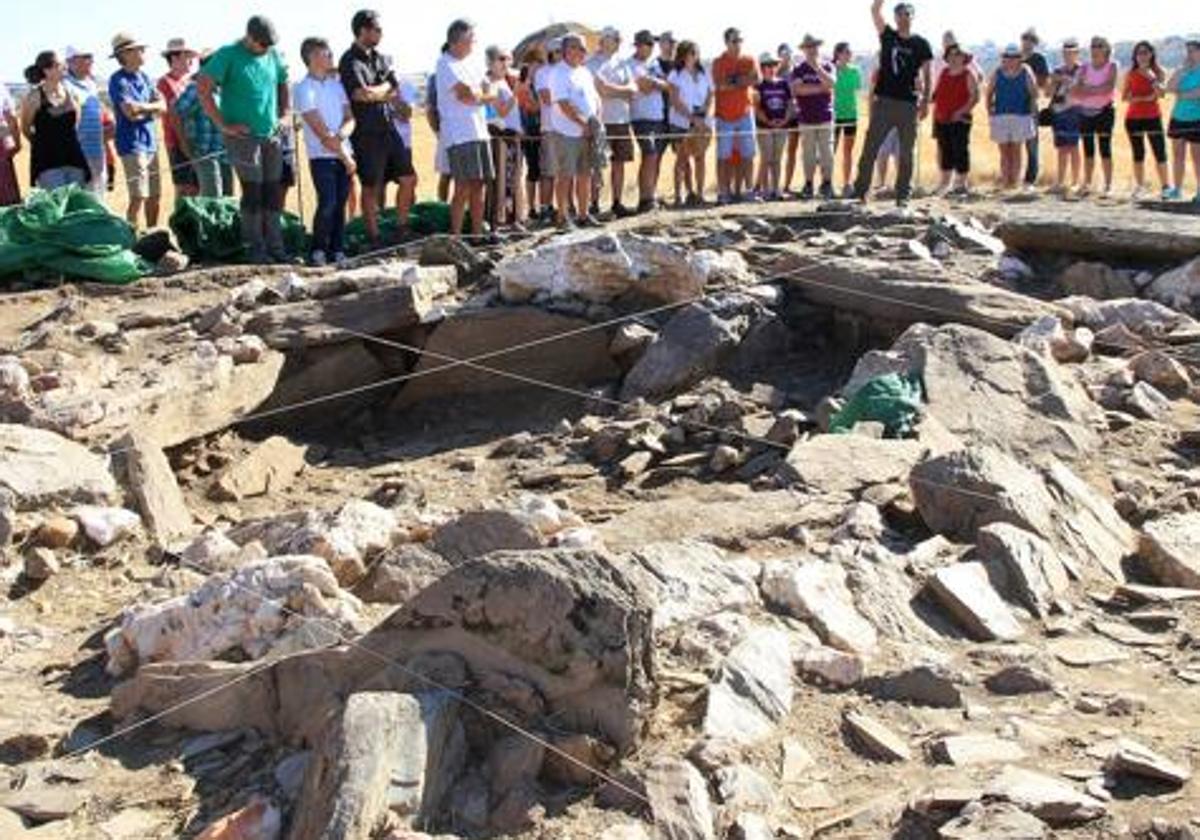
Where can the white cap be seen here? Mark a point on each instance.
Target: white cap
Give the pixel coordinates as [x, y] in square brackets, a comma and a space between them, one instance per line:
[74, 52]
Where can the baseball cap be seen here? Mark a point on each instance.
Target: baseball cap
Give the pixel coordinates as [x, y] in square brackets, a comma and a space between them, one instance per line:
[644, 36]
[767, 59]
[574, 38]
[610, 33]
[905, 9]
[733, 34]
[1011, 51]
[1071, 44]
[74, 52]
[668, 36]
[1030, 34]
[262, 31]
[810, 41]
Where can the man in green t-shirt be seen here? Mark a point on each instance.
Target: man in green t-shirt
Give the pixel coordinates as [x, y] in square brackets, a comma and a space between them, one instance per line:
[252, 79]
[845, 109]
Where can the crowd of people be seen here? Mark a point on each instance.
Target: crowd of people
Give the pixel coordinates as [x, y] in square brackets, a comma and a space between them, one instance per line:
[540, 138]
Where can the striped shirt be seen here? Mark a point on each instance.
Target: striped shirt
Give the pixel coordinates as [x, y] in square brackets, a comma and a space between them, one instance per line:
[203, 136]
[91, 116]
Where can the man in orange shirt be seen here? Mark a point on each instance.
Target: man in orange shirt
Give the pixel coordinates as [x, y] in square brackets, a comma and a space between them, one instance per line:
[734, 76]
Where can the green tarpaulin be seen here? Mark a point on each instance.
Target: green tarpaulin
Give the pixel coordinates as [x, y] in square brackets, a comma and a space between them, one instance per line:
[68, 231]
[425, 217]
[209, 229]
[892, 399]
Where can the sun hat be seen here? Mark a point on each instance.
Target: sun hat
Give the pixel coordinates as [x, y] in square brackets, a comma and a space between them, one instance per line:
[644, 37]
[810, 41]
[178, 45]
[1071, 44]
[610, 33]
[1011, 51]
[1030, 34]
[766, 58]
[123, 41]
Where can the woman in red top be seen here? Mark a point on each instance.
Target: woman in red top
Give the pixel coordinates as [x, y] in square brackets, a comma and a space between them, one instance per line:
[954, 98]
[1144, 87]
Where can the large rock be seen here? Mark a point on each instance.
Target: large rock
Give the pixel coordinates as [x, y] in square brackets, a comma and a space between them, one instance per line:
[1028, 567]
[39, 468]
[679, 801]
[481, 532]
[274, 606]
[691, 346]
[320, 387]
[1089, 229]
[988, 391]
[387, 752]
[1179, 288]
[899, 294]
[155, 489]
[400, 574]
[993, 821]
[1047, 798]
[692, 580]
[816, 592]
[753, 690]
[1170, 546]
[269, 467]
[601, 268]
[1146, 317]
[850, 463]
[965, 591]
[959, 493]
[564, 352]
[1096, 280]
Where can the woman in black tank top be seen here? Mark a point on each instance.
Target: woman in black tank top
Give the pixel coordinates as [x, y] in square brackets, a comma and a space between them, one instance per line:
[49, 117]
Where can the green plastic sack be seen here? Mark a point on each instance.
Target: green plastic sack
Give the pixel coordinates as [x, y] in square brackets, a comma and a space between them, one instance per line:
[209, 229]
[425, 218]
[68, 231]
[892, 399]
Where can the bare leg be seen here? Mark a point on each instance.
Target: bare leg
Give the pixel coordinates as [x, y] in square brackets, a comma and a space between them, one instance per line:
[152, 205]
[134, 212]
[458, 207]
[477, 195]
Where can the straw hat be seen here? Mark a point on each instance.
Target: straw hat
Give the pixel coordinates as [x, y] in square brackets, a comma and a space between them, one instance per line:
[123, 41]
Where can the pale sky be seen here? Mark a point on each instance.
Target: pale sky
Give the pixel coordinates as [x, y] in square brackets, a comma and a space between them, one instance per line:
[413, 31]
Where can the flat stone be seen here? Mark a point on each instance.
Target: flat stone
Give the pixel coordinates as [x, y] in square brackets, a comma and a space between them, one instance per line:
[831, 667]
[874, 739]
[269, 467]
[40, 564]
[694, 579]
[679, 801]
[1170, 546]
[154, 488]
[691, 346]
[1085, 653]
[993, 821]
[41, 804]
[1134, 759]
[39, 468]
[741, 786]
[1047, 798]
[1028, 566]
[968, 750]
[816, 592]
[1018, 679]
[477, 533]
[964, 589]
[1089, 229]
[753, 690]
[924, 685]
[820, 464]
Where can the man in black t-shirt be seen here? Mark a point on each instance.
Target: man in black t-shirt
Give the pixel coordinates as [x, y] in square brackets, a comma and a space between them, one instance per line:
[371, 85]
[898, 102]
[1036, 62]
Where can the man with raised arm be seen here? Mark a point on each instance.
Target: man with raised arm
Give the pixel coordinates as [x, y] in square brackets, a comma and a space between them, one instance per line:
[897, 101]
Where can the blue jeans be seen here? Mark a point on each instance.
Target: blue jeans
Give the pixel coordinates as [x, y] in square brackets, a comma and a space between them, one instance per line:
[333, 191]
[739, 133]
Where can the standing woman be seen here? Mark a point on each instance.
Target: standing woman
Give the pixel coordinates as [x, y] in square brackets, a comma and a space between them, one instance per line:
[49, 115]
[1012, 100]
[691, 94]
[1185, 119]
[845, 109]
[787, 63]
[1065, 116]
[1095, 95]
[954, 98]
[10, 147]
[1145, 85]
[531, 128]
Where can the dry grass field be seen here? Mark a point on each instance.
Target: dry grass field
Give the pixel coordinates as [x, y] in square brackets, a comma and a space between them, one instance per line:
[985, 168]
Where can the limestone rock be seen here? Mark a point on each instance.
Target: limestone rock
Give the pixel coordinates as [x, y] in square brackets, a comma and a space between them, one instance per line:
[39, 468]
[400, 574]
[1089, 229]
[1161, 371]
[212, 551]
[1178, 288]
[993, 821]
[1145, 317]
[155, 489]
[1170, 546]
[692, 579]
[269, 467]
[822, 464]
[968, 750]
[831, 667]
[1134, 759]
[874, 739]
[816, 592]
[1018, 679]
[40, 565]
[601, 268]
[243, 610]
[1047, 337]
[1096, 280]
[1028, 566]
[753, 690]
[481, 532]
[679, 801]
[105, 525]
[1047, 798]
[741, 786]
[387, 752]
[259, 820]
[56, 532]
[1147, 402]
[925, 685]
[692, 345]
[964, 589]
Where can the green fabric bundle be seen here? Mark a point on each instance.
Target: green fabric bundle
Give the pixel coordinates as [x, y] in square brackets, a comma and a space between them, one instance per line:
[892, 399]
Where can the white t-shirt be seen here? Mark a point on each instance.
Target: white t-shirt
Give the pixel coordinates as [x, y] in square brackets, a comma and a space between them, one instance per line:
[510, 121]
[693, 93]
[541, 82]
[577, 86]
[409, 96]
[647, 106]
[460, 122]
[613, 70]
[328, 98]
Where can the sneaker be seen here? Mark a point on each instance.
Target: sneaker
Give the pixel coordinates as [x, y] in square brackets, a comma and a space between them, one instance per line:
[827, 191]
[902, 202]
[1172, 194]
[588, 220]
[755, 198]
[339, 257]
[620, 211]
[724, 200]
[1165, 194]
[594, 209]
[317, 259]
[645, 206]
[1138, 194]
[806, 194]
[564, 225]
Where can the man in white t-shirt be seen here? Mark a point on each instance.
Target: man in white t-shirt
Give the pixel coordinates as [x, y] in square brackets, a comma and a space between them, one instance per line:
[322, 103]
[462, 93]
[576, 119]
[614, 80]
[649, 115]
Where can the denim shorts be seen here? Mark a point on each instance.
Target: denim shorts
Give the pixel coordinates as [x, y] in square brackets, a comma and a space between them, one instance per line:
[739, 133]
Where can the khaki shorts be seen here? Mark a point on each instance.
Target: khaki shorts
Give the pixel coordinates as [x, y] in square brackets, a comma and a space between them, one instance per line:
[142, 176]
[572, 157]
[771, 144]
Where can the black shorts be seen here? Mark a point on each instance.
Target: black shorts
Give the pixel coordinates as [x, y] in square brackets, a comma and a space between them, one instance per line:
[532, 147]
[183, 174]
[849, 128]
[620, 141]
[381, 158]
[651, 136]
[1186, 130]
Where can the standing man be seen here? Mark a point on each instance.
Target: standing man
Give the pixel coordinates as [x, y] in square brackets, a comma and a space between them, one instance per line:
[252, 79]
[813, 82]
[649, 116]
[903, 56]
[371, 83]
[575, 116]
[202, 141]
[91, 118]
[181, 61]
[614, 81]
[1036, 62]
[137, 105]
[462, 93]
[734, 76]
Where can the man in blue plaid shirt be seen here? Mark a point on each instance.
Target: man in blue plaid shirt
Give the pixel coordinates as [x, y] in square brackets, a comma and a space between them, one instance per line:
[202, 142]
